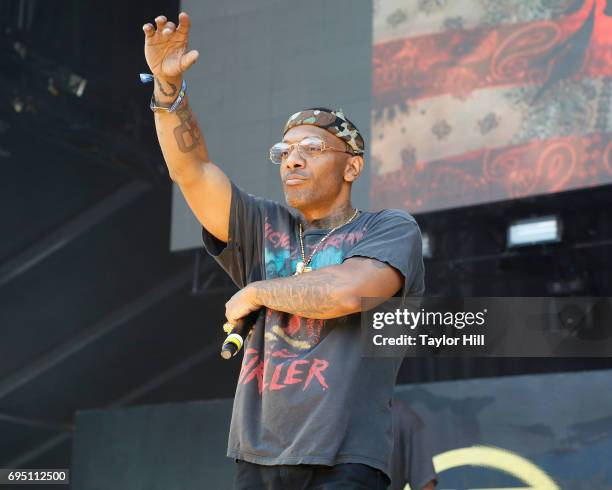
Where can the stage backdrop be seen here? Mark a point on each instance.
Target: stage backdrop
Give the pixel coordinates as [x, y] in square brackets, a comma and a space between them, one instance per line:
[485, 100]
[550, 432]
[468, 101]
[261, 61]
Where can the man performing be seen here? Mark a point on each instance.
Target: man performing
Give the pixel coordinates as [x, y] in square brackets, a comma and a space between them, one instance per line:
[309, 411]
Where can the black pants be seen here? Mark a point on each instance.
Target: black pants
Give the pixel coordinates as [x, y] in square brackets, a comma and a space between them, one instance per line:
[345, 476]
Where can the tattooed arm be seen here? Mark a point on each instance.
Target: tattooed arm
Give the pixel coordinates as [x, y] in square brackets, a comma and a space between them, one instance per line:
[325, 293]
[206, 188]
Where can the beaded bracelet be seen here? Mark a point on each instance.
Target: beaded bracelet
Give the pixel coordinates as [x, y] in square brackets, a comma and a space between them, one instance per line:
[146, 78]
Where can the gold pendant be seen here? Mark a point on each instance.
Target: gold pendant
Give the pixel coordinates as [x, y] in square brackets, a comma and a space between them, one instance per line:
[299, 268]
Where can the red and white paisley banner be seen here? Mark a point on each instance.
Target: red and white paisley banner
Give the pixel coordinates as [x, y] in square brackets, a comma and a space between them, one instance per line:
[474, 102]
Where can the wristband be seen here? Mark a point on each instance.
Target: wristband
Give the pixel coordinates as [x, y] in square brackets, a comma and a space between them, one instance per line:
[146, 78]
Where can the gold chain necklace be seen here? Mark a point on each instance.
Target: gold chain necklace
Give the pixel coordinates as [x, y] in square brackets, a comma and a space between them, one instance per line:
[302, 265]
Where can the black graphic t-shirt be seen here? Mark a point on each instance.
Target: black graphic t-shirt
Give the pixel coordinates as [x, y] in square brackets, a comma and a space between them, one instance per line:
[412, 455]
[305, 394]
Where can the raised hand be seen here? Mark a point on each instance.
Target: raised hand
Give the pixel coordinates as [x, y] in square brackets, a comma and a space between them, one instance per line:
[166, 47]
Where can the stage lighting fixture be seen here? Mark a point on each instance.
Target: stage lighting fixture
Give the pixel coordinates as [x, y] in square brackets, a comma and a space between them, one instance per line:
[534, 231]
[426, 246]
[52, 88]
[76, 84]
[69, 82]
[17, 104]
[566, 287]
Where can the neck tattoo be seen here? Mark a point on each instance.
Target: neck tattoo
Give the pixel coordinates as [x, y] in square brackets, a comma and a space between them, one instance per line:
[339, 217]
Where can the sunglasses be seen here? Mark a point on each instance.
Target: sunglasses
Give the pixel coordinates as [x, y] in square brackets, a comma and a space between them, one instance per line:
[309, 147]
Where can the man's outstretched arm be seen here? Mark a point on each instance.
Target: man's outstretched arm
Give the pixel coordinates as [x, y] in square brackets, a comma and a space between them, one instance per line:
[206, 188]
[324, 293]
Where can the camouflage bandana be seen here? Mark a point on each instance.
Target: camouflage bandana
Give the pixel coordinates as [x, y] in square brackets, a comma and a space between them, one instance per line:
[334, 122]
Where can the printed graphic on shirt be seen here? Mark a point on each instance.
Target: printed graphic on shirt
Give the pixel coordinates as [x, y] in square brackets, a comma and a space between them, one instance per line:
[288, 338]
[278, 369]
[294, 331]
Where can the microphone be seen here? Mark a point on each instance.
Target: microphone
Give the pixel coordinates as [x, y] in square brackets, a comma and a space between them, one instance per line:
[234, 341]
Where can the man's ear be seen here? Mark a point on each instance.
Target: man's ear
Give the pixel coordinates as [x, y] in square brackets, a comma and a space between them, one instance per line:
[353, 168]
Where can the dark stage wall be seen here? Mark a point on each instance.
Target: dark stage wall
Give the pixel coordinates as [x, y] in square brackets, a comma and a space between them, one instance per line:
[552, 430]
